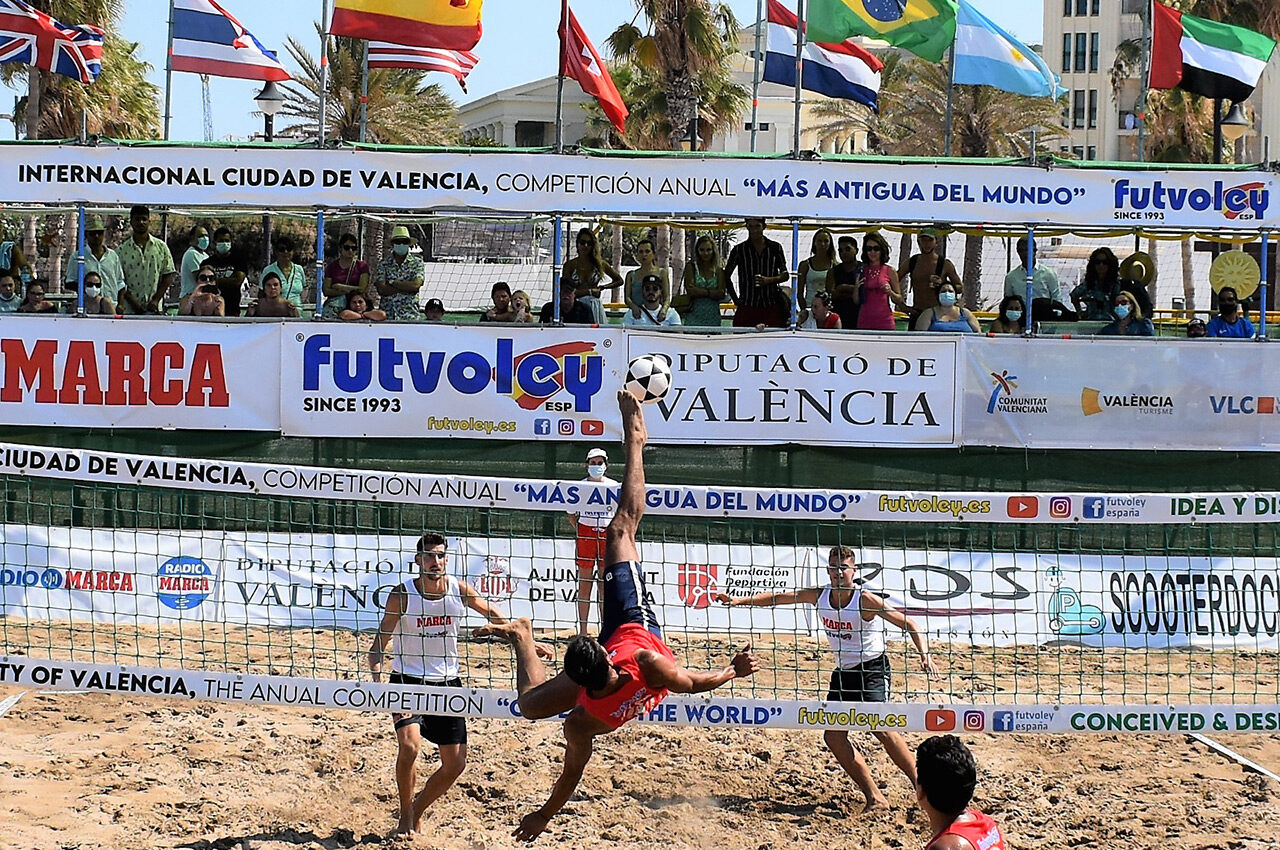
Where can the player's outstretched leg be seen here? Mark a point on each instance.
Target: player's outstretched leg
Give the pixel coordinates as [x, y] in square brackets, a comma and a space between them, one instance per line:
[620, 536]
[896, 746]
[856, 766]
[539, 697]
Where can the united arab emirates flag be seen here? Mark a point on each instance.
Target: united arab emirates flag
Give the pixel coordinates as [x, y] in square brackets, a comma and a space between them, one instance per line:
[1205, 57]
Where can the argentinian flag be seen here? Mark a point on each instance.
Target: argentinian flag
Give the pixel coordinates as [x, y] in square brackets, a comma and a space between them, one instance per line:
[986, 55]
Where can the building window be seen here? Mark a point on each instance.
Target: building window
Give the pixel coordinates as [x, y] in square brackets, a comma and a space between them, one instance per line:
[1066, 53]
[1077, 109]
[1095, 11]
[1093, 152]
[1093, 51]
[1082, 8]
[1078, 152]
[1093, 109]
[1082, 46]
[763, 127]
[1066, 8]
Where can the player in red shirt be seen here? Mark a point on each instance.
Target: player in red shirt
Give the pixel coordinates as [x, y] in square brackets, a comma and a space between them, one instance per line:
[629, 670]
[945, 778]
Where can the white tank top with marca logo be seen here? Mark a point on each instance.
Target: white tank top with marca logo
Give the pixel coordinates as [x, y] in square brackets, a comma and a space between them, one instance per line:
[425, 641]
[853, 639]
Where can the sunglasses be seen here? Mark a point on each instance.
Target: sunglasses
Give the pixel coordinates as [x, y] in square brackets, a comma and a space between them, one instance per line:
[399, 241]
[205, 278]
[348, 247]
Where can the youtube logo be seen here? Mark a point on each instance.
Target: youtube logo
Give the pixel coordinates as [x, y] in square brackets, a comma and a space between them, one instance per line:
[940, 720]
[592, 428]
[1023, 507]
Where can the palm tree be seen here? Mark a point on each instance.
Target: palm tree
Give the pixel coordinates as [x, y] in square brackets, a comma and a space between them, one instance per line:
[402, 109]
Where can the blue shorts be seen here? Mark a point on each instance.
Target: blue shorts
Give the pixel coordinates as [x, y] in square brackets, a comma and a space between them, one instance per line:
[624, 600]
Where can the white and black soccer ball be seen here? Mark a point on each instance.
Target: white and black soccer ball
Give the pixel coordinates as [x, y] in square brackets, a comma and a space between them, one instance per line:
[648, 377]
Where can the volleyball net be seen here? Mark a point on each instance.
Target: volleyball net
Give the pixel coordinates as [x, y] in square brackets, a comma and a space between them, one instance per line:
[265, 583]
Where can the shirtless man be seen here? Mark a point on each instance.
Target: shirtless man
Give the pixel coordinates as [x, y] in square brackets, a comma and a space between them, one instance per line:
[927, 271]
[629, 670]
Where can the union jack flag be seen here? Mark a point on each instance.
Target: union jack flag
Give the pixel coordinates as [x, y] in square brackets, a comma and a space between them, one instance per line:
[33, 38]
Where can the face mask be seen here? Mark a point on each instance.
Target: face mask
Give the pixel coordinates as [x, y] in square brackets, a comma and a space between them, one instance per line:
[595, 470]
[947, 299]
[203, 243]
[1122, 310]
[224, 247]
[401, 250]
[92, 291]
[1014, 315]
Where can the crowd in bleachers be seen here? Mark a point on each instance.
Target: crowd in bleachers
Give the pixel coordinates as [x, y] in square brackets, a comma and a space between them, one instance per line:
[837, 287]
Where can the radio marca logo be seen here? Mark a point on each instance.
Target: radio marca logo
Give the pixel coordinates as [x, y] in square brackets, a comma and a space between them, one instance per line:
[182, 583]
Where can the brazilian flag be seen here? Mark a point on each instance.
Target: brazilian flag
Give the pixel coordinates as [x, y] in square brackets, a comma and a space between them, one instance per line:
[927, 28]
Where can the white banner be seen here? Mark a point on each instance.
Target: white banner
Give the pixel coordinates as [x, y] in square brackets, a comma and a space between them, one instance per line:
[107, 373]
[812, 388]
[977, 194]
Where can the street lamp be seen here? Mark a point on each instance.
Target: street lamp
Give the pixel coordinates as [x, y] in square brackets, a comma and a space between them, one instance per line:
[1235, 124]
[269, 101]
[692, 141]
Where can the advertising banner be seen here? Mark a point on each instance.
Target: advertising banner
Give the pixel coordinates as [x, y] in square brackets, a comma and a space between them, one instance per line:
[1117, 393]
[106, 373]
[978, 194]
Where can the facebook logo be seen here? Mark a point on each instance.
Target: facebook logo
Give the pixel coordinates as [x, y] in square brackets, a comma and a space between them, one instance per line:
[542, 427]
[1094, 507]
[1002, 721]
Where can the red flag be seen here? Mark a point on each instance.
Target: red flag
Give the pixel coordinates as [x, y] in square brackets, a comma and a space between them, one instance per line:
[578, 59]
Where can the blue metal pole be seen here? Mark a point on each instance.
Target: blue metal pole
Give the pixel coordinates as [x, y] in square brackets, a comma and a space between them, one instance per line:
[1030, 260]
[1262, 306]
[319, 263]
[80, 259]
[556, 252]
[795, 271]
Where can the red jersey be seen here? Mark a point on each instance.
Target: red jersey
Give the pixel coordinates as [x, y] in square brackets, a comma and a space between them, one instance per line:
[635, 697]
[979, 830]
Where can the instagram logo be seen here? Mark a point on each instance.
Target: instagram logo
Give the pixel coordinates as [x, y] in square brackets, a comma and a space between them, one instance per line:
[1060, 507]
[974, 721]
[565, 427]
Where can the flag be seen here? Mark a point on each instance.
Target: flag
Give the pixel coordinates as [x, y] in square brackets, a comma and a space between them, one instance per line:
[456, 62]
[208, 40]
[843, 70]
[986, 55]
[1205, 57]
[578, 59]
[446, 24]
[927, 28]
[33, 38]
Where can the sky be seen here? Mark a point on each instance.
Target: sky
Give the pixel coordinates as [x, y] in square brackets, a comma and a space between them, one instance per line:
[519, 45]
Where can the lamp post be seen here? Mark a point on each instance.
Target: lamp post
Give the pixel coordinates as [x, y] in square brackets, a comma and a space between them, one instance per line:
[269, 101]
[1231, 127]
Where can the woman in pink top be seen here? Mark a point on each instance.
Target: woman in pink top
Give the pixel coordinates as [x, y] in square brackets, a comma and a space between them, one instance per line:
[879, 286]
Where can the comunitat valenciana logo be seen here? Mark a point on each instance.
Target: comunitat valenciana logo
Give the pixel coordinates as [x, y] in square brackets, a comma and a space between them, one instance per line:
[1094, 401]
[531, 378]
[1003, 399]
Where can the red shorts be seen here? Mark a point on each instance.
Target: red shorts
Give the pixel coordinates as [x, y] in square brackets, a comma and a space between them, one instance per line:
[590, 549]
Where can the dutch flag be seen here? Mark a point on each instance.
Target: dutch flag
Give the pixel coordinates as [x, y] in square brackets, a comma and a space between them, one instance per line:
[843, 70]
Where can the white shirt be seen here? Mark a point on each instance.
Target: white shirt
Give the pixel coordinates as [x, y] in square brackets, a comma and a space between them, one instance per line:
[672, 319]
[853, 639]
[108, 269]
[597, 516]
[190, 265]
[425, 641]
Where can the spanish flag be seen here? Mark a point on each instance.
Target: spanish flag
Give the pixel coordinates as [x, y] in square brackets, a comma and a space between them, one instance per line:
[927, 28]
[446, 24]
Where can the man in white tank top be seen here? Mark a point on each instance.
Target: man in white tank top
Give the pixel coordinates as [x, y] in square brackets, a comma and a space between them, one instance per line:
[854, 621]
[589, 527]
[421, 620]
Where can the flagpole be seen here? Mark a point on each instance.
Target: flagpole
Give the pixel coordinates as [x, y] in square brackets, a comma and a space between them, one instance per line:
[564, 28]
[364, 92]
[168, 75]
[800, 36]
[951, 87]
[755, 76]
[1142, 87]
[324, 71]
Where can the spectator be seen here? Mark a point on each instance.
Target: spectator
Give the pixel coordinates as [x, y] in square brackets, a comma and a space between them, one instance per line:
[1129, 320]
[230, 269]
[9, 299]
[433, 311]
[524, 310]
[704, 284]
[292, 278]
[1097, 292]
[927, 271]
[1044, 281]
[651, 307]
[97, 258]
[949, 316]
[1012, 317]
[95, 303]
[343, 276]
[820, 316]
[1196, 329]
[399, 277]
[633, 293]
[1230, 323]
[879, 286]
[197, 252]
[33, 301]
[587, 271]
[13, 260]
[271, 301]
[146, 266]
[571, 312]
[358, 310]
[814, 274]
[845, 279]
[207, 299]
[502, 309]
[761, 268]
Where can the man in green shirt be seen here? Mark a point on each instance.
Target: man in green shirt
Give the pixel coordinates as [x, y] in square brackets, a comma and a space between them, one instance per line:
[147, 265]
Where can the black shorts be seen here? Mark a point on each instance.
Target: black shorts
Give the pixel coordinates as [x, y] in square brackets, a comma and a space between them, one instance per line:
[624, 600]
[867, 682]
[439, 729]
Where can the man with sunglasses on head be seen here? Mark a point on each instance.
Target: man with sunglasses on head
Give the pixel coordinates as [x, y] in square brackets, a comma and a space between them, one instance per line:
[854, 620]
[207, 299]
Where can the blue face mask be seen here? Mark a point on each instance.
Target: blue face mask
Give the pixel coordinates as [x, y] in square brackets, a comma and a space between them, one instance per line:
[1122, 311]
[947, 299]
[203, 243]
[401, 250]
[1014, 315]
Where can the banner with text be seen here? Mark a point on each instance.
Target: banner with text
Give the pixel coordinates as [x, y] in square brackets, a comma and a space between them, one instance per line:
[978, 194]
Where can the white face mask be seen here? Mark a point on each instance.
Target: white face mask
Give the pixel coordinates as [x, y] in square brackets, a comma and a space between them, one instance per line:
[595, 470]
[92, 291]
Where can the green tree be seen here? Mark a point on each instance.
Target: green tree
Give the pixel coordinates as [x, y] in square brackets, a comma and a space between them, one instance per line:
[402, 108]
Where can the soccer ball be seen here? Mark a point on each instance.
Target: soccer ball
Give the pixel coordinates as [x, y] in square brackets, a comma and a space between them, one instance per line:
[648, 377]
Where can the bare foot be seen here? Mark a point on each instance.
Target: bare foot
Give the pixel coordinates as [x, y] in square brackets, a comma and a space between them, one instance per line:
[545, 650]
[875, 806]
[633, 427]
[403, 834]
[512, 632]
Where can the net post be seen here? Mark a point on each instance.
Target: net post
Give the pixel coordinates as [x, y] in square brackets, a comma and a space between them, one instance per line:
[795, 271]
[1030, 260]
[1262, 299]
[557, 251]
[80, 223]
[319, 263]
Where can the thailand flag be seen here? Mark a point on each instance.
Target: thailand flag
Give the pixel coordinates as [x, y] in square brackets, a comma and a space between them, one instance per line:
[843, 70]
[456, 62]
[33, 38]
[207, 40]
